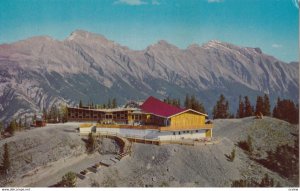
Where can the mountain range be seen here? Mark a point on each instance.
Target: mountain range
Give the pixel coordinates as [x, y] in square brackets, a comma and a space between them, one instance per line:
[40, 71]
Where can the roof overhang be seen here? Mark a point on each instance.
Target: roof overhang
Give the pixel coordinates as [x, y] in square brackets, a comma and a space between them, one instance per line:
[187, 110]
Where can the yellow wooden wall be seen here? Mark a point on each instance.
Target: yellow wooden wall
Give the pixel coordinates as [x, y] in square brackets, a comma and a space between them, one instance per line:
[208, 133]
[187, 119]
[129, 116]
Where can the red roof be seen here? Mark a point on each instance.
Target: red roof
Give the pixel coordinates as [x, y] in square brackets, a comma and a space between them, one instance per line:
[157, 107]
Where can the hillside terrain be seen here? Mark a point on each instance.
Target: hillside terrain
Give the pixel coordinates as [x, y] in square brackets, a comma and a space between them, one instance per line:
[40, 71]
[40, 157]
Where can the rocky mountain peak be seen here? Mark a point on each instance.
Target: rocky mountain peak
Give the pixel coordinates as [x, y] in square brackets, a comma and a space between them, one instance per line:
[79, 34]
[40, 71]
[85, 36]
[162, 45]
[216, 44]
[193, 46]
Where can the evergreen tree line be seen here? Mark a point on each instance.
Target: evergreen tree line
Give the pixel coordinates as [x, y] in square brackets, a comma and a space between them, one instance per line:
[286, 110]
[266, 181]
[55, 114]
[192, 103]
[111, 103]
[14, 125]
[245, 109]
[173, 101]
[221, 109]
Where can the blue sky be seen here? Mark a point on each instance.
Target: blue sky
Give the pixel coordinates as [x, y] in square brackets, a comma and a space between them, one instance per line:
[271, 25]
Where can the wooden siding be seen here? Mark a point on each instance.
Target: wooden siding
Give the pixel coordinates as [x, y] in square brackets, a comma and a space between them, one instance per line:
[209, 133]
[187, 119]
[180, 128]
[127, 126]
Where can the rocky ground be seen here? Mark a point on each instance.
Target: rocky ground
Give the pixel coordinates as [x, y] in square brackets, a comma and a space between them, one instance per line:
[42, 156]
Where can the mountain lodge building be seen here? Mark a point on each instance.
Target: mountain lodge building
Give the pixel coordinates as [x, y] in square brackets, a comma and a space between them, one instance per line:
[153, 119]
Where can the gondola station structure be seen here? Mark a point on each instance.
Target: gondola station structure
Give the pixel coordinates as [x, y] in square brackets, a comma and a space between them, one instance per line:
[151, 120]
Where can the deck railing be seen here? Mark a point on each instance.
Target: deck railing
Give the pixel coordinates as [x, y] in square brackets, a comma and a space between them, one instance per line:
[156, 140]
[128, 126]
[161, 128]
[189, 127]
[85, 125]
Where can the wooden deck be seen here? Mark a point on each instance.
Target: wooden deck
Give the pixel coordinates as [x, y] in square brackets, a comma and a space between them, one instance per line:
[127, 126]
[153, 127]
[185, 128]
[156, 141]
[85, 125]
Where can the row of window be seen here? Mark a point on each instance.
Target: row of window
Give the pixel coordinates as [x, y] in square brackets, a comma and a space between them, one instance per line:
[122, 116]
[185, 132]
[98, 112]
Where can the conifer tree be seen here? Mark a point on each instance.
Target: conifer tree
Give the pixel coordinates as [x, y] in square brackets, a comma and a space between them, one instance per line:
[193, 103]
[267, 106]
[221, 109]
[54, 113]
[80, 104]
[12, 127]
[240, 111]
[174, 102]
[259, 108]
[90, 144]
[109, 103]
[64, 113]
[5, 159]
[187, 102]
[114, 103]
[69, 180]
[178, 103]
[248, 107]
[286, 110]
[45, 113]
[275, 110]
[201, 108]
